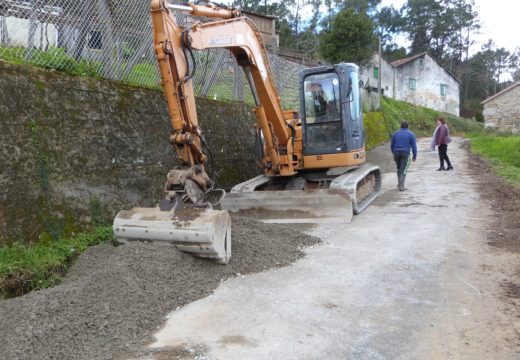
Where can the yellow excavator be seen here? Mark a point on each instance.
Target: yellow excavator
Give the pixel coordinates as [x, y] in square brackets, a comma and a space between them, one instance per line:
[313, 160]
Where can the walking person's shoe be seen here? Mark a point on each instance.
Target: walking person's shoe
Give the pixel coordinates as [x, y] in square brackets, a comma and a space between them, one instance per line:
[450, 168]
[441, 169]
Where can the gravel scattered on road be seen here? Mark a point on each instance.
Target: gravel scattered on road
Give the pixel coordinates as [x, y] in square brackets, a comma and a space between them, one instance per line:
[113, 298]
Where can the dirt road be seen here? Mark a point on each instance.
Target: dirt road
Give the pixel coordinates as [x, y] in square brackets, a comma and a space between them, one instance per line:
[411, 278]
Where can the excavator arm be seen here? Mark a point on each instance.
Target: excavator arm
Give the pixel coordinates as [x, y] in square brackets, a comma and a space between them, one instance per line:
[173, 46]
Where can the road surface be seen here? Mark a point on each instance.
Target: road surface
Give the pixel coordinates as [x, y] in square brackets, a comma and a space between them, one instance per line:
[410, 278]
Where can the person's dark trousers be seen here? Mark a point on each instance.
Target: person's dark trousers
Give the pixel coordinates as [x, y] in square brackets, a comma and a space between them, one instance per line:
[443, 155]
[401, 159]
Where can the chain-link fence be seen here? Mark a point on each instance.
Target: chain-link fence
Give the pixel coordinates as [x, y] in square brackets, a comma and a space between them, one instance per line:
[113, 39]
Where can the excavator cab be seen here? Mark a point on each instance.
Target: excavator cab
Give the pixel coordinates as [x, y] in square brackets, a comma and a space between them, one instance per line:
[330, 110]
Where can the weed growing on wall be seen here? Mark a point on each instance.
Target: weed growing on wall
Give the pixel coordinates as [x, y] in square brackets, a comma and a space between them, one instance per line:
[97, 213]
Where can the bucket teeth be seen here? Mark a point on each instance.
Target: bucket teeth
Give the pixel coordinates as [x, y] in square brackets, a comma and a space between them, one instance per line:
[204, 233]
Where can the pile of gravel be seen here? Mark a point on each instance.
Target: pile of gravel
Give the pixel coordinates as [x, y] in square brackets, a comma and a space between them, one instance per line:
[113, 298]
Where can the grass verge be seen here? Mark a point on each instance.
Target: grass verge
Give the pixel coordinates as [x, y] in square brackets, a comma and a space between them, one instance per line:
[503, 152]
[42, 265]
[422, 120]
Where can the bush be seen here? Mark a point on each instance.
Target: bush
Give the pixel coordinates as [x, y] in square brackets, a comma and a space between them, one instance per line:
[479, 117]
[53, 59]
[88, 68]
[14, 55]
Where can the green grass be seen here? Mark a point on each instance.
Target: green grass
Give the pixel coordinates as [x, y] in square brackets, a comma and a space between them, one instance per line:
[503, 151]
[52, 59]
[422, 120]
[143, 74]
[375, 129]
[25, 268]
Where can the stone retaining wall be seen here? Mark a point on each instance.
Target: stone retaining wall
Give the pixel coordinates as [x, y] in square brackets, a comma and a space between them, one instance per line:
[75, 150]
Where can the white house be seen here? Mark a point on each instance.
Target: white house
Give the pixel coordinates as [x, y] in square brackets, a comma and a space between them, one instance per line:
[419, 80]
[369, 75]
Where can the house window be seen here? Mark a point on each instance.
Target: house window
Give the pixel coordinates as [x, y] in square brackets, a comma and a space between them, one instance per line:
[376, 72]
[95, 40]
[412, 84]
[421, 63]
[443, 90]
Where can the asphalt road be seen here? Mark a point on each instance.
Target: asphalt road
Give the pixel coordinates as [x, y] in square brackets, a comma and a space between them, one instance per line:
[410, 278]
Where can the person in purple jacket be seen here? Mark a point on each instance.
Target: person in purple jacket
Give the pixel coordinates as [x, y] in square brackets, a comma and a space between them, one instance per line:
[402, 142]
[441, 138]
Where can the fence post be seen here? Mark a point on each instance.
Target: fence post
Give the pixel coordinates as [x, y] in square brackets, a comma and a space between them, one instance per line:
[4, 40]
[238, 82]
[104, 17]
[33, 18]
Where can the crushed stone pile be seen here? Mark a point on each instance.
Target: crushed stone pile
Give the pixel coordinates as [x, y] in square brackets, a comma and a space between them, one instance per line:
[113, 298]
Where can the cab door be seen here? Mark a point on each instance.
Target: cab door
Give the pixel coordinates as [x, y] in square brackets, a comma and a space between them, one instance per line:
[355, 135]
[322, 111]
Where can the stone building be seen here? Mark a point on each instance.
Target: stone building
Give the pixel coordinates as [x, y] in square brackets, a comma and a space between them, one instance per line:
[502, 110]
[418, 80]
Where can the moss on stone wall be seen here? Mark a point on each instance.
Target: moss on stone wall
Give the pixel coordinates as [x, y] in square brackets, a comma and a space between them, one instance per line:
[75, 150]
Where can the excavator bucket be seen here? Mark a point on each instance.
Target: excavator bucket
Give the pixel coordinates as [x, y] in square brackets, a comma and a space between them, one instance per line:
[202, 232]
[292, 206]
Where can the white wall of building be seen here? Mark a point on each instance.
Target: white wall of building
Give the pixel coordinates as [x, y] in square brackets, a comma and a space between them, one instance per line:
[387, 76]
[18, 31]
[428, 76]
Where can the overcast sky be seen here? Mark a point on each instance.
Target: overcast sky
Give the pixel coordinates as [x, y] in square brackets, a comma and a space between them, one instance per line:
[499, 20]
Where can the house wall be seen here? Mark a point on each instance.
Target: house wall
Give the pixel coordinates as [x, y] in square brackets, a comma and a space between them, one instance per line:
[387, 76]
[429, 76]
[18, 31]
[503, 112]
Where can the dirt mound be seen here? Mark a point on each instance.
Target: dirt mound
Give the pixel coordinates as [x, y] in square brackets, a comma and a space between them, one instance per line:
[113, 298]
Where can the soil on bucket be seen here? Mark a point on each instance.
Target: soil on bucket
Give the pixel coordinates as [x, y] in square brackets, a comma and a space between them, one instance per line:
[114, 298]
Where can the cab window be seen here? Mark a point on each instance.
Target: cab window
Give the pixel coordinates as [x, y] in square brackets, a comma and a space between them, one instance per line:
[322, 111]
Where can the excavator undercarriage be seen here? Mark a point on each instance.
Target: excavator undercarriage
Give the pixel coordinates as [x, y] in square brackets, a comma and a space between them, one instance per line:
[309, 197]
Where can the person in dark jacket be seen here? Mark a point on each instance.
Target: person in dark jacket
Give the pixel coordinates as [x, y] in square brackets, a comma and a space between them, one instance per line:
[441, 138]
[403, 141]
